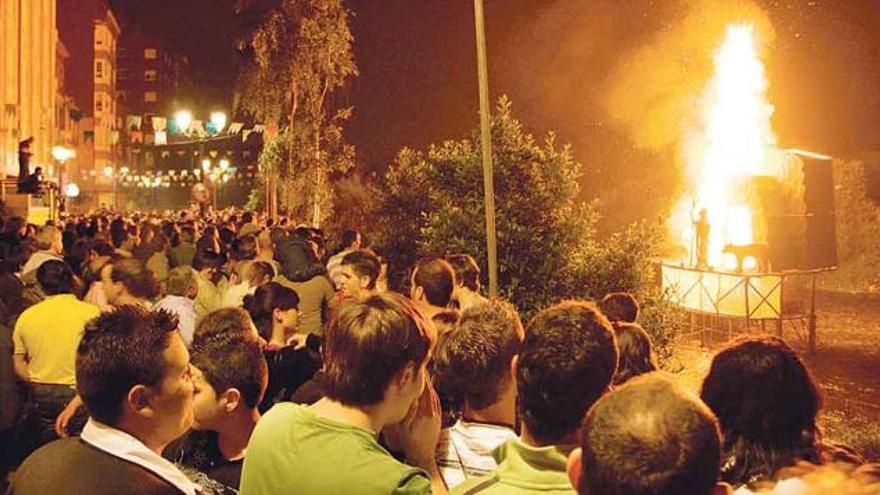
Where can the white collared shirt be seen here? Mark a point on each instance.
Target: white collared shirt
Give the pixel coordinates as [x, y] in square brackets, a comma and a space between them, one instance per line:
[185, 309]
[124, 446]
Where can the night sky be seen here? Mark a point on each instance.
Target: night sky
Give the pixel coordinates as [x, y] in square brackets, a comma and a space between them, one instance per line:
[556, 59]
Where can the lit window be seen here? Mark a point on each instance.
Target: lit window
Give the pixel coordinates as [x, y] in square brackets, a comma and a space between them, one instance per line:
[99, 69]
[150, 54]
[149, 75]
[150, 97]
[99, 103]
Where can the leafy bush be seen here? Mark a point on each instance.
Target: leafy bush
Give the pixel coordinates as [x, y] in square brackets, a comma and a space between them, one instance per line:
[431, 202]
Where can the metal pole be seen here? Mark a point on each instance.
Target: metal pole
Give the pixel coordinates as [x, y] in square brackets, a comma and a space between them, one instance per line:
[486, 139]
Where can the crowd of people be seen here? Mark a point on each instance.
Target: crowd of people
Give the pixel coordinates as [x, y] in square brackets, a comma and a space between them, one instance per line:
[225, 352]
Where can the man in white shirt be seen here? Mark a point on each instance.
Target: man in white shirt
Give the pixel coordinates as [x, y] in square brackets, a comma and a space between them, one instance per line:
[183, 288]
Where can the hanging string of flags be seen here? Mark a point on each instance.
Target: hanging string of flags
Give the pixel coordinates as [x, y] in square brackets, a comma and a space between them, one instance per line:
[157, 130]
[183, 178]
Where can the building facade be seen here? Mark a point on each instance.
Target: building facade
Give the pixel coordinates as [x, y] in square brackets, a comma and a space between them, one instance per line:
[28, 44]
[90, 32]
[150, 76]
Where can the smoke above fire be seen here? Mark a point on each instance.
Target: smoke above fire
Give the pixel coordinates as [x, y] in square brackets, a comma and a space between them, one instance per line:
[655, 91]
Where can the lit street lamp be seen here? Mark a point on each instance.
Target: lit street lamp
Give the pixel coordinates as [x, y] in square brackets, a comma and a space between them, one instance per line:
[218, 119]
[61, 154]
[71, 190]
[183, 119]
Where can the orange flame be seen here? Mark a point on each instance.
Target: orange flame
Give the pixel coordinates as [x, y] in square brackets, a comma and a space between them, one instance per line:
[735, 141]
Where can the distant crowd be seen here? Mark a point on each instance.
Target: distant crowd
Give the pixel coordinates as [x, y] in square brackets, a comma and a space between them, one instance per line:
[224, 352]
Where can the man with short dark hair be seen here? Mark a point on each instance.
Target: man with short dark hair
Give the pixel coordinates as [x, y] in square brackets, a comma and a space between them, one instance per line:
[230, 378]
[431, 285]
[357, 273]
[472, 363]
[564, 365]
[620, 307]
[45, 339]
[648, 437]
[467, 278]
[132, 372]
[376, 353]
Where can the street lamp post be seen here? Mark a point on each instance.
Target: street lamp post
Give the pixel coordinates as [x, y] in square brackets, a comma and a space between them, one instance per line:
[61, 154]
[221, 176]
[486, 141]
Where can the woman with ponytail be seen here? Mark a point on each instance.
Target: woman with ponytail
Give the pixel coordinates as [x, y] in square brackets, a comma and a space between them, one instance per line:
[293, 358]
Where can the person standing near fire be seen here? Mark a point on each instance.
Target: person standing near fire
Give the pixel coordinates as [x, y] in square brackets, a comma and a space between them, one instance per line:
[701, 228]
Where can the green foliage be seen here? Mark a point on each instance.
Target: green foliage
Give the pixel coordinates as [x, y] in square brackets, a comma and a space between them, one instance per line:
[302, 54]
[431, 202]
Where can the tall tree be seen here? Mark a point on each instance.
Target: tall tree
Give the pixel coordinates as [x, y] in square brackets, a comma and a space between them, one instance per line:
[301, 56]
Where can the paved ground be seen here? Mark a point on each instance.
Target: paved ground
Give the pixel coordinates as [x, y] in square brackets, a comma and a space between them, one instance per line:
[846, 365]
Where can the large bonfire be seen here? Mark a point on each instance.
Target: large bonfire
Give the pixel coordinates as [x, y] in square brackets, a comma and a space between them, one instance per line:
[733, 143]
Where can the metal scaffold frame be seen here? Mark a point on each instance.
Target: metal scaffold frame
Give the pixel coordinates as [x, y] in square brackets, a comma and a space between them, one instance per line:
[715, 299]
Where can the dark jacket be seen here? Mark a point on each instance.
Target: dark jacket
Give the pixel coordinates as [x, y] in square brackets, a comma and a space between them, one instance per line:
[72, 466]
[289, 369]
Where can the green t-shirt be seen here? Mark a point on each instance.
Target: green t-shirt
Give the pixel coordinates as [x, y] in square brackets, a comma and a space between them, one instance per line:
[523, 469]
[294, 451]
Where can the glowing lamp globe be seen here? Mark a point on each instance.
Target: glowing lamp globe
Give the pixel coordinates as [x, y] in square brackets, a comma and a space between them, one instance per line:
[71, 190]
[183, 119]
[218, 119]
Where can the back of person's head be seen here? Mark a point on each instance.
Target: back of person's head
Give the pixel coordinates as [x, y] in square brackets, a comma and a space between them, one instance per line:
[634, 348]
[224, 324]
[257, 273]
[436, 279]
[208, 259]
[244, 248]
[368, 343]
[237, 363]
[182, 281]
[14, 224]
[227, 235]
[364, 263]
[766, 402]
[261, 305]
[13, 255]
[472, 362]
[467, 271]
[119, 350]
[564, 365]
[620, 306]
[47, 236]
[135, 277]
[349, 238]
[303, 232]
[649, 437]
[247, 217]
[55, 277]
